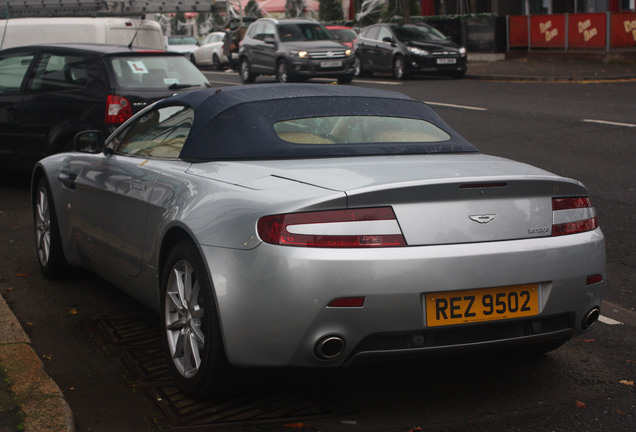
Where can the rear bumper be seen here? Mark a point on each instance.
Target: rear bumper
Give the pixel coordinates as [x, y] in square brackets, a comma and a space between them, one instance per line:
[273, 300]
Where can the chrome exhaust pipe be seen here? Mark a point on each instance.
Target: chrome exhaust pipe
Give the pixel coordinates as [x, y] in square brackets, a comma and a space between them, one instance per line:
[590, 318]
[329, 347]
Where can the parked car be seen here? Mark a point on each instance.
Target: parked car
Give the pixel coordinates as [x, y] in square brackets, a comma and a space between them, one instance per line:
[210, 51]
[293, 49]
[345, 224]
[183, 44]
[408, 49]
[48, 93]
[102, 30]
[343, 34]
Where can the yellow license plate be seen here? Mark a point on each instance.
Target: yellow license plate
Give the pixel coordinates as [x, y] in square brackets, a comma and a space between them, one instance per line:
[484, 304]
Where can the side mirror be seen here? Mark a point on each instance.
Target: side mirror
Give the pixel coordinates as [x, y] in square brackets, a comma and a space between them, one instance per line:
[269, 40]
[91, 141]
[388, 39]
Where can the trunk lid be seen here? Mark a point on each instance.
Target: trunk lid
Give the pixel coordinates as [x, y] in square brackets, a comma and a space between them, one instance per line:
[437, 199]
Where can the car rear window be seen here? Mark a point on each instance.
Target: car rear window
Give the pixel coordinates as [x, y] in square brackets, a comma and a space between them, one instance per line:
[358, 129]
[156, 72]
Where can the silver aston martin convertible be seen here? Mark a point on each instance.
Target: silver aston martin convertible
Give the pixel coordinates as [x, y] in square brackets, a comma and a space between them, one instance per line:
[314, 225]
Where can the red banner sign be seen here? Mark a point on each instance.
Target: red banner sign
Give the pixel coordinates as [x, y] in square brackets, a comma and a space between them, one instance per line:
[623, 30]
[587, 30]
[547, 31]
[518, 35]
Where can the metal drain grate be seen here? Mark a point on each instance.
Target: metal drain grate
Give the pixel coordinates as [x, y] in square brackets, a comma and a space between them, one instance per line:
[137, 345]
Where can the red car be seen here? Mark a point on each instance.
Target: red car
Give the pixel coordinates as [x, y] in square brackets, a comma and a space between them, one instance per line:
[343, 34]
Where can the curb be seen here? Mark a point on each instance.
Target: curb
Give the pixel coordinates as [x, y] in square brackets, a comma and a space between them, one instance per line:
[39, 397]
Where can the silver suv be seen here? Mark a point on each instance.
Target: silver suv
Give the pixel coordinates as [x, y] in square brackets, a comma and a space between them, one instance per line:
[293, 50]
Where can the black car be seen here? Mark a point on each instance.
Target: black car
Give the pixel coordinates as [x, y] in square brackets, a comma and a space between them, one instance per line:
[293, 50]
[48, 93]
[408, 49]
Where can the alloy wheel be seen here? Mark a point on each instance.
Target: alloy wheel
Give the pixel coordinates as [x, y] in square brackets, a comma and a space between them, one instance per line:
[281, 72]
[43, 226]
[184, 315]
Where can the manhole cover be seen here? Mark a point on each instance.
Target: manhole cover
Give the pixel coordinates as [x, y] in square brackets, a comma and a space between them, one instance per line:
[257, 399]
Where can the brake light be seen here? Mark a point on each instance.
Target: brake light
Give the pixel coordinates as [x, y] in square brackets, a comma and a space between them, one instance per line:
[118, 110]
[355, 228]
[572, 216]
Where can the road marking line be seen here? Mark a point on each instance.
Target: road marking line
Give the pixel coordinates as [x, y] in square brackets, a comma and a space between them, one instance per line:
[609, 123]
[466, 107]
[395, 83]
[609, 321]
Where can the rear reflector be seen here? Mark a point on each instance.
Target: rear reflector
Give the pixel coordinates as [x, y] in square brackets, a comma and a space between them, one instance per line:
[592, 279]
[347, 302]
[572, 216]
[118, 110]
[356, 228]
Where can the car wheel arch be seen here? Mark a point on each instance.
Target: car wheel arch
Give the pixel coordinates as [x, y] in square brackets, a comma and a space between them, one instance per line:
[171, 238]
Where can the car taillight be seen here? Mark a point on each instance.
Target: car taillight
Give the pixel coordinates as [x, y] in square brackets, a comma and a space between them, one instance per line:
[355, 228]
[572, 215]
[118, 110]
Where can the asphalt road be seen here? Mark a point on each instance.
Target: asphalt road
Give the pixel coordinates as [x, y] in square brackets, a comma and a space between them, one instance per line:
[99, 346]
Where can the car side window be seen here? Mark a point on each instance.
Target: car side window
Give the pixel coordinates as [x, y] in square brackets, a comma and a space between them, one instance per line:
[372, 33]
[384, 33]
[59, 72]
[268, 30]
[13, 68]
[158, 133]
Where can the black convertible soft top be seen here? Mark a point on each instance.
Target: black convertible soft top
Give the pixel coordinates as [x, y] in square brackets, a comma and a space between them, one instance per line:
[238, 122]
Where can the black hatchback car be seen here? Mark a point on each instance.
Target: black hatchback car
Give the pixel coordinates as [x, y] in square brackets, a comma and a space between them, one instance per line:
[293, 50]
[48, 93]
[408, 49]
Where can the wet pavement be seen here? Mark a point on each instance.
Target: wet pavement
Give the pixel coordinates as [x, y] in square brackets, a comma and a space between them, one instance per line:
[31, 401]
[554, 67]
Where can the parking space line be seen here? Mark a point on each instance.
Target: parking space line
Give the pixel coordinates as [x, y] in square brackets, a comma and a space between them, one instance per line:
[611, 123]
[609, 321]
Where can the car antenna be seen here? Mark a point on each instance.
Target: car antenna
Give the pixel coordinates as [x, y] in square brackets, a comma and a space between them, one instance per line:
[143, 17]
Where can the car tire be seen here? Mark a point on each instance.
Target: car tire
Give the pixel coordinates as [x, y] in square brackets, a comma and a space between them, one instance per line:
[358, 69]
[399, 68]
[190, 325]
[48, 242]
[245, 72]
[193, 60]
[345, 79]
[282, 74]
[216, 62]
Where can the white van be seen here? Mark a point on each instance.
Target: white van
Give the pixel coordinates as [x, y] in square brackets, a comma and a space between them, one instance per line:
[113, 31]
